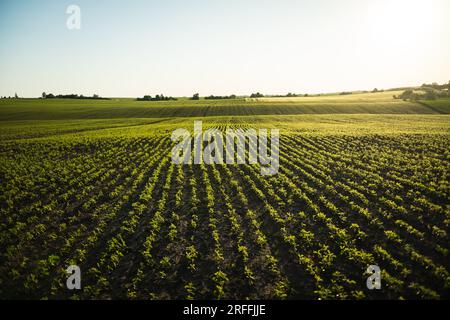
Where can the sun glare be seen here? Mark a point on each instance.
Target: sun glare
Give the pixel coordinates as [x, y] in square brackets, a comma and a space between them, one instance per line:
[405, 19]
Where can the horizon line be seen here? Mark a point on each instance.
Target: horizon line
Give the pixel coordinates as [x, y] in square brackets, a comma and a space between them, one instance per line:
[379, 89]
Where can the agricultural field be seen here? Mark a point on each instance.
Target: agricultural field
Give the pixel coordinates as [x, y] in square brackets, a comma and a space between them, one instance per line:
[117, 108]
[362, 181]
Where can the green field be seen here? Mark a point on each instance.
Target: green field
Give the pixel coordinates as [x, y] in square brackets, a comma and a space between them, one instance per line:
[364, 103]
[439, 105]
[363, 180]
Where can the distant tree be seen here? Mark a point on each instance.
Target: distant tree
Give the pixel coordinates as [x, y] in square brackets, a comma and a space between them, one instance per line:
[195, 96]
[213, 97]
[16, 96]
[158, 97]
[407, 94]
[435, 85]
[430, 95]
[71, 96]
[256, 95]
[375, 90]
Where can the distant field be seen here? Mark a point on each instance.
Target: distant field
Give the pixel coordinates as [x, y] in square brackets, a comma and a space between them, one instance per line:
[372, 103]
[440, 105]
[358, 124]
[91, 183]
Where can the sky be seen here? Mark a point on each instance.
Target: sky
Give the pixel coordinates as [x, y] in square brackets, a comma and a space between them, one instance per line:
[134, 47]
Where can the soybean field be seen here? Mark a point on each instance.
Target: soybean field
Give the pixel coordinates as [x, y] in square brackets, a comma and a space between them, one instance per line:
[353, 189]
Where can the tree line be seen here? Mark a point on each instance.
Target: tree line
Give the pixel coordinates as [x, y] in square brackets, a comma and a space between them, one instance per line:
[9, 97]
[212, 97]
[71, 96]
[158, 97]
[426, 92]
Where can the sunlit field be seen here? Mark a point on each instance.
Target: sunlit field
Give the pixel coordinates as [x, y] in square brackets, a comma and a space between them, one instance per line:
[368, 187]
[365, 103]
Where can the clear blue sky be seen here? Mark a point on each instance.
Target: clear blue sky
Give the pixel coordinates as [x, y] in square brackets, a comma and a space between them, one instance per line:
[134, 47]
